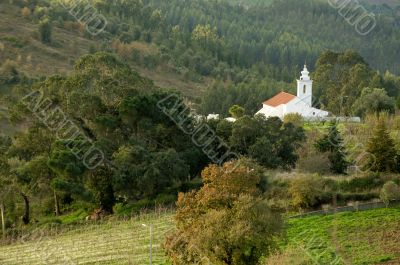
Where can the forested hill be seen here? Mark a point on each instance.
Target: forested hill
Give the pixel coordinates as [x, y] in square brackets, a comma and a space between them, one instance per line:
[285, 33]
[224, 40]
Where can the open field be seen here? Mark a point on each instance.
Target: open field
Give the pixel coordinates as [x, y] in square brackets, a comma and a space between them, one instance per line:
[109, 242]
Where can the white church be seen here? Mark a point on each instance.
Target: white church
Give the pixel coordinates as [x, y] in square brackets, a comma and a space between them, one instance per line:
[285, 103]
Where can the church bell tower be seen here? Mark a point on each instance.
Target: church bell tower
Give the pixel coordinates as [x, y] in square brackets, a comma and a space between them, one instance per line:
[304, 87]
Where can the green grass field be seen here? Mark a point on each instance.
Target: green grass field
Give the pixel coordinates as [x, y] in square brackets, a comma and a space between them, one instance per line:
[370, 237]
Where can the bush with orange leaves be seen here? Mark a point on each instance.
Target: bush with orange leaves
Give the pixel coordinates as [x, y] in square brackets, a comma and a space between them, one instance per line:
[227, 221]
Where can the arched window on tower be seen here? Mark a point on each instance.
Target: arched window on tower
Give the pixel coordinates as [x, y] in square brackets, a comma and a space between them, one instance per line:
[304, 89]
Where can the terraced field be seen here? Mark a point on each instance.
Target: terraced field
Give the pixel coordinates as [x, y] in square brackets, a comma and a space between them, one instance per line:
[110, 242]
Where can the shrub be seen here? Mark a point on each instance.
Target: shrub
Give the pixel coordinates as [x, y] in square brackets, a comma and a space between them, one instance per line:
[314, 163]
[226, 221]
[390, 192]
[237, 111]
[9, 73]
[278, 197]
[294, 118]
[306, 191]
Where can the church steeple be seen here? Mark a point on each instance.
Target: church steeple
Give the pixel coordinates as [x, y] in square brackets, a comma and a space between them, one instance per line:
[305, 73]
[304, 87]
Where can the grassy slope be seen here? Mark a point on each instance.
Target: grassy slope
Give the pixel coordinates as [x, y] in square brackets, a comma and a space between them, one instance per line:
[370, 237]
[109, 242]
[19, 42]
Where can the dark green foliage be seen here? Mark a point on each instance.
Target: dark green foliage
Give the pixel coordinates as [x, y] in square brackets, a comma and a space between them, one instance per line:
[270, 142]
[333, 143]
[141, 174]
[100, 183]
[236, 111]
[339, 79]
[63, 161]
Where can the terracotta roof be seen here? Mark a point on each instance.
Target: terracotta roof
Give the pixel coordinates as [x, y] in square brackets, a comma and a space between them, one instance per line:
[279, 99]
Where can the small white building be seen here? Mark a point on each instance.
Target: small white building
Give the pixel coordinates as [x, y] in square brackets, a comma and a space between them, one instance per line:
[285, 103]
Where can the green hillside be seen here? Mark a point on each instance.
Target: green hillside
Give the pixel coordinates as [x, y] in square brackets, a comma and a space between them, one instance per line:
[275, 39]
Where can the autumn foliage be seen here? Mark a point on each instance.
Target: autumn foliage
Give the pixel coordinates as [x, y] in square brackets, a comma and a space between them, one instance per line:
[225, 222]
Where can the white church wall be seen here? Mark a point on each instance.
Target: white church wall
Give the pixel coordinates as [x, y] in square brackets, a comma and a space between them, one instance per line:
[299, 106]
[269, 111]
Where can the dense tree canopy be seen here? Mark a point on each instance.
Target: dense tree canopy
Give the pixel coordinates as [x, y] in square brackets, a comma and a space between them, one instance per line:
[270, 142]
[341, 80]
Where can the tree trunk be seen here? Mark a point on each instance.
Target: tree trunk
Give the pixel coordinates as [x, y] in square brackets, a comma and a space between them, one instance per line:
[56, 204]
[25, 217]
[3, 223]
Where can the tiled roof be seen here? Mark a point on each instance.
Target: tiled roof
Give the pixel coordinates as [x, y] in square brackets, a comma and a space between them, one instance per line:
[279, 99]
